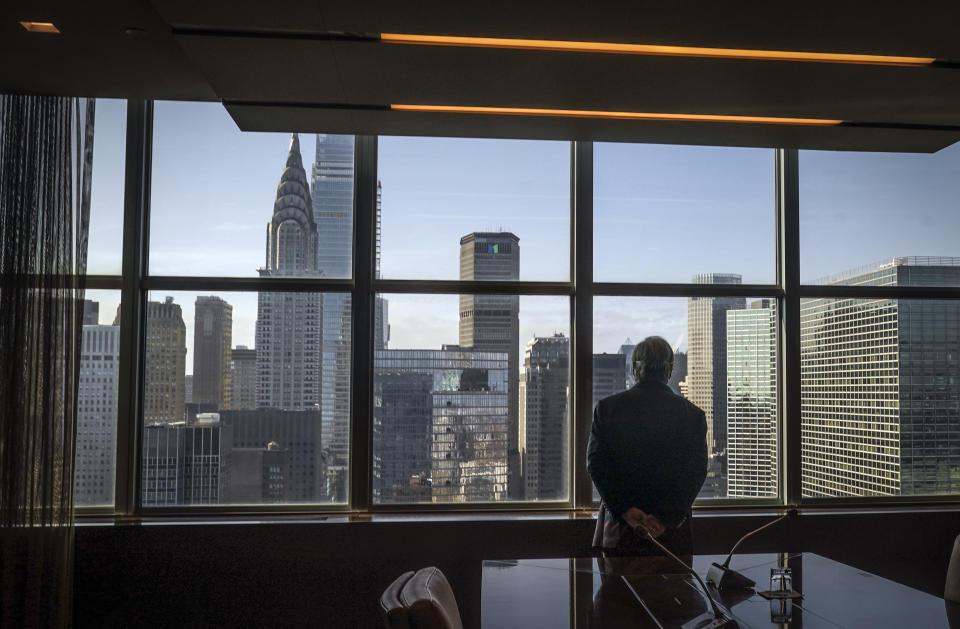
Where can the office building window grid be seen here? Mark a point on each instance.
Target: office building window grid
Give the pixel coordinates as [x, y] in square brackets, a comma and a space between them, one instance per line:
[879, 379]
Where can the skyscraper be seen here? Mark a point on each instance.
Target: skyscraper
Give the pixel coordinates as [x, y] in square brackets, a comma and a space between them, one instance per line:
[544, 429]
[626, 357]
[679, 373]
[402, 422]
[440, 421]
[91, 312]
[165, 362]
[332, 187]
[492, 322]
[752, 401]
[186, 465]
[880, 404]
[212, 339]
[294, 432]
[97, 414]
[259, 475]
[288, 332]
[243, 378]
[608, 376]
[707, 369]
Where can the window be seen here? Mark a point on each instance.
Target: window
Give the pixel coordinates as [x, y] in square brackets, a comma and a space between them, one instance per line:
[284, 370]
[683, 213]
[106, 189]
[246, 395]
[725, 362]
[215, 188]
[474, 209]
[880, 219]
[471, 400]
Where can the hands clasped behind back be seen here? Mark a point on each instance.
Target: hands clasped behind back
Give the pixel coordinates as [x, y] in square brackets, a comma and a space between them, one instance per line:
[637, 518]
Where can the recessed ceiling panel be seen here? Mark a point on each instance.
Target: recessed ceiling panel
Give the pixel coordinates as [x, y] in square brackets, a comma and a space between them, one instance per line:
[306, 119]
[378, 73]
[845, 26]
[259, 68]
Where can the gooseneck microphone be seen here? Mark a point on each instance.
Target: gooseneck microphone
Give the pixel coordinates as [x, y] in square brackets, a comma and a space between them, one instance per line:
[707, 620]
[722, 577]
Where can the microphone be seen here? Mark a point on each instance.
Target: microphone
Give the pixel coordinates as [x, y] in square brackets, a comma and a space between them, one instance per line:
[706, 620]
[721, 576]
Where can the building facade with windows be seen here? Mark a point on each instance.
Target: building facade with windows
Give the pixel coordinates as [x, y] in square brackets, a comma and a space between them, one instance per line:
[707, 371]
[491, 323]
[440, 420]
[165, 359]
[881, 407]
[288, 329]
[544, 422]
[97, 415]
[212, 341]
[752, 401]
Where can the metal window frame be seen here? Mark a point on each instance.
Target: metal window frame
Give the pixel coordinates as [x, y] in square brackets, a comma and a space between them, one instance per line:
[135, 283]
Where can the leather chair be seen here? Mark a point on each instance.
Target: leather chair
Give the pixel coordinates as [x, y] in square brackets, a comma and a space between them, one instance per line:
[430, 601]
[951, 590]
[394, 613]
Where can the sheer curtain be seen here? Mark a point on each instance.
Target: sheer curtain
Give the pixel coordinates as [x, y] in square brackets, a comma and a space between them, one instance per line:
[46, 154]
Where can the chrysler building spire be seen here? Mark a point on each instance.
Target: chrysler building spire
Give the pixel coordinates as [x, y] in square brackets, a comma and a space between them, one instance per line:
[292, 231]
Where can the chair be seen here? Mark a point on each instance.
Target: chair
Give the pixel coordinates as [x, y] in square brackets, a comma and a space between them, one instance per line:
[430, 601]
[394, 613]
[951, 590]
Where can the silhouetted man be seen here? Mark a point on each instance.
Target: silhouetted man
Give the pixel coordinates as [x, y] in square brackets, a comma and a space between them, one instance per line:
[647, 456]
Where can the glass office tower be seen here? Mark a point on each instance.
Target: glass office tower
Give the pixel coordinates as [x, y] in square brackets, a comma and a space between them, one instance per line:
[440, 425]
[752, 401]
[707, 371]
[881, 408]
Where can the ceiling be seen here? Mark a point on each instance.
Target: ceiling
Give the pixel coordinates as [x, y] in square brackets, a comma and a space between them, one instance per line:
[276, 68]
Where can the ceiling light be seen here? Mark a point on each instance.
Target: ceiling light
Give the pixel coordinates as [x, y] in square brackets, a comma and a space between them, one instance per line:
[40, 27]
[647, 49]
[615, 115]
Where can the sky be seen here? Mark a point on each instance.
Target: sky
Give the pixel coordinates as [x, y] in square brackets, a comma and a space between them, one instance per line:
[661, 214]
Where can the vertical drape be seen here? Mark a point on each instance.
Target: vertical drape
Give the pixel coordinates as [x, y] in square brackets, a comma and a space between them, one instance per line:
[44, 218]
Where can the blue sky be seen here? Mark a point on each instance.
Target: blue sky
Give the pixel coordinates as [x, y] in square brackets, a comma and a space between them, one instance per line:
[662, 214]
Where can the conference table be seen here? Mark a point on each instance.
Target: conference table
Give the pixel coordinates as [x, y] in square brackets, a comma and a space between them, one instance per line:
[655, 592]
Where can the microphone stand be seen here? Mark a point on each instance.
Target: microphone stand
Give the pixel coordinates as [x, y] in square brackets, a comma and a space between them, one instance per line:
[723, 577]
[717, 619]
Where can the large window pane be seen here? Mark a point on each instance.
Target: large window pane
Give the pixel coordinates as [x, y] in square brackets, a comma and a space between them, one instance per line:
[881, 397]
[471, 400]
[725, 362]
[95, 466]
[880, 218]
[665, 213]
[246, 398]
[106, 187]
[215, 188]
[447, 201]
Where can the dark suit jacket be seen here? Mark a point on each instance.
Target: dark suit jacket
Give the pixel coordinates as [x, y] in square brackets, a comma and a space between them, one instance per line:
[648, 450]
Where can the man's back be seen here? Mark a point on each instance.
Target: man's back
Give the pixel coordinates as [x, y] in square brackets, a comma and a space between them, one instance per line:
[648, 450]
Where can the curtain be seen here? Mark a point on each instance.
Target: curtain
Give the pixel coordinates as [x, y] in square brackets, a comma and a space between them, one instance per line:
[46, 155]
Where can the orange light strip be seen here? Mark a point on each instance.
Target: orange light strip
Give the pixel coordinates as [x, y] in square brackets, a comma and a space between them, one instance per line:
[40, 27]
[647, 49]
[615, 115]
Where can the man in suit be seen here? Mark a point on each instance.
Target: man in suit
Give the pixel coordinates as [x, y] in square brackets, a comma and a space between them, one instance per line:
[647, 456]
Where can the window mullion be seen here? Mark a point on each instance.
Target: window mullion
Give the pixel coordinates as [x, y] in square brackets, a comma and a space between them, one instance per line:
[136, 201]
[361, 416]
[788, 249]
[581, 326]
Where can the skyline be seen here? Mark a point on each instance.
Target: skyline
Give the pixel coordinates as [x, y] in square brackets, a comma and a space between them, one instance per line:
[223, 184]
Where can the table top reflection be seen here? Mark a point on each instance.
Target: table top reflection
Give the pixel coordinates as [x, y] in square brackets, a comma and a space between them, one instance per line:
[656, 592]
